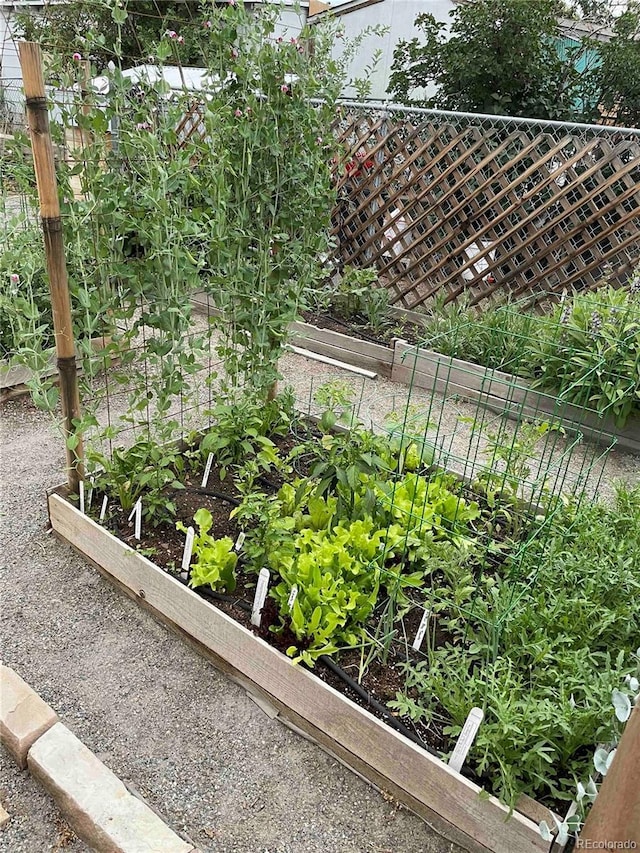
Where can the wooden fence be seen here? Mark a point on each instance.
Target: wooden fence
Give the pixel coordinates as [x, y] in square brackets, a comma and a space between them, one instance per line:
[451, 204]
[446, 204]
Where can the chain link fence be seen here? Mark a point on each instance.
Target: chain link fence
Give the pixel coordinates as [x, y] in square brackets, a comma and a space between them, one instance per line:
[447, 205]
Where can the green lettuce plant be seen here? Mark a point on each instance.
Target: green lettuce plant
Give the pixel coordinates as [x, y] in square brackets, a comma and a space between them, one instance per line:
[337, 581]
[215, 559]
[428, 507]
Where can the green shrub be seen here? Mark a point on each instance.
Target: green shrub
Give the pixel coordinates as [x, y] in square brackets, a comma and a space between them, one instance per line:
[589, 351]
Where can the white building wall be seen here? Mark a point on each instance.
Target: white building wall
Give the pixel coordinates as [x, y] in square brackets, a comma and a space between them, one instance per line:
[11, 98]
[399, 17]
[290, 22]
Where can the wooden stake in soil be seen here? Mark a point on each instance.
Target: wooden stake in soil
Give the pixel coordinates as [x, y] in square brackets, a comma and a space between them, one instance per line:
[614, 818]
[31, 64]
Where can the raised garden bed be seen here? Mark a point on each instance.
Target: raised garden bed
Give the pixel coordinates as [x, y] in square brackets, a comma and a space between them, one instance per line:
[497, 391]
[414, 777]
[500, 392]
[506, 394]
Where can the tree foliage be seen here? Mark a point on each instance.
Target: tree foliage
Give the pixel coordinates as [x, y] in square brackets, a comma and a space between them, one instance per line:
[501, 57]
[93, 29]
[616, 81]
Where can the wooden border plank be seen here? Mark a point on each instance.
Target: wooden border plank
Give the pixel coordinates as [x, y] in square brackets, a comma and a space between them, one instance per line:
[323, 359]
[505, 393]
[363, 741]
[358, 346]
[334, 345]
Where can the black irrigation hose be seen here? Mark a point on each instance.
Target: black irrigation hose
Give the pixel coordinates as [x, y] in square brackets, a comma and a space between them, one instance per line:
[219, 596]
[384, 712]
[214, 494]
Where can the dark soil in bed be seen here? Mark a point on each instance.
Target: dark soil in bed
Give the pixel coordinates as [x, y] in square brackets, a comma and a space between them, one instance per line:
[357, 327]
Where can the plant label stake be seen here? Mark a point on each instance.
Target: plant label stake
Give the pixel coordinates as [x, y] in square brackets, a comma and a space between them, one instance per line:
[186, 554]
[90, 495]
[422, 630]
[292, 596]
[466, 739]
[261, 594]
[138, 523]
[103, 510]
[137, 512]
[207, 471]
[81, 491]
[239, 541]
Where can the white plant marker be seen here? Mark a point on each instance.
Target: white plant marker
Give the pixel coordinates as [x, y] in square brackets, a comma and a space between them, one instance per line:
[261, 593]
[90, 495]
[466, 739]
[422, 630]
[137, 512]
[207, 471]
[292, 596]
[81, 491]
[186, 554]
[240, 541]
[103, 510]
[138, 522]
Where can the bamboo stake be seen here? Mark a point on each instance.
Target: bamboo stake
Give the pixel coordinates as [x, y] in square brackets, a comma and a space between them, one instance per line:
[615, 816]
[38, 116]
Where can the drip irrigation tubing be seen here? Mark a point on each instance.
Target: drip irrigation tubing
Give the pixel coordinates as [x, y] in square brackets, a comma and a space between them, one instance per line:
[384, 712]
[212, 493]
[358, 689]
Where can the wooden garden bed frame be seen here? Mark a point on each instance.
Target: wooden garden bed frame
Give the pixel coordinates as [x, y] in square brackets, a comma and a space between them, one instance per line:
[500, 392]
[425, 784]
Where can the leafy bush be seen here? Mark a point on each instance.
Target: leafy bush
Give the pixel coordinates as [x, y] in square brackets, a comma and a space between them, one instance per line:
[26, 319]
[541, 651]
[495, 338]
[359, 297]
[587, 350]
[146, 469]
[590, 352]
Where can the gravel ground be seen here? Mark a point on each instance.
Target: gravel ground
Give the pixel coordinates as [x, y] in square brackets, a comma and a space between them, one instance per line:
[191, 742]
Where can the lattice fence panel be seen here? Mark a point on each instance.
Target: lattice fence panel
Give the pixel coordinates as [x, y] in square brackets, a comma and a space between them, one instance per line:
[446, 204]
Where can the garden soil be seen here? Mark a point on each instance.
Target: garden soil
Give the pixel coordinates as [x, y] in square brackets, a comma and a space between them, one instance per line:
[173, 728]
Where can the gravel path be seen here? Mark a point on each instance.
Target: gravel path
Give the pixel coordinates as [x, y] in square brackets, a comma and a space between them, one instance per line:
[191, 742]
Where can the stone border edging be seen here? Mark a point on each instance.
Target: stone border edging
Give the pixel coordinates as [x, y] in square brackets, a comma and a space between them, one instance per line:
[95, 802]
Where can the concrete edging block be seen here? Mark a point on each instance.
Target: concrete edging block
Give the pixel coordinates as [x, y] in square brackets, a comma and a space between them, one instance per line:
[95, 802]
[24, 716]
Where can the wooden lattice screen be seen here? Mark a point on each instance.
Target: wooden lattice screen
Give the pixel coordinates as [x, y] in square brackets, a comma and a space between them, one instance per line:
[446, 204]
